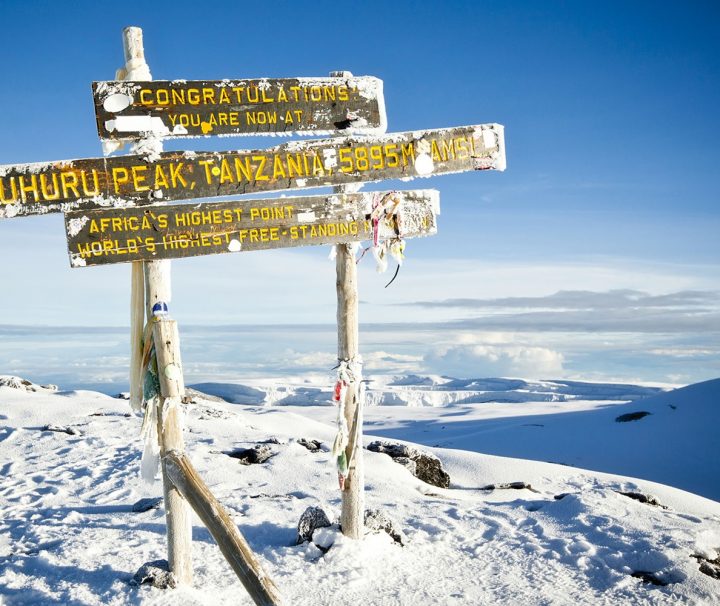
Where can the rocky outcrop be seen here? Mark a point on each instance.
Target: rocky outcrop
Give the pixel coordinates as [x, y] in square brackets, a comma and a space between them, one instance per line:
[423, 465]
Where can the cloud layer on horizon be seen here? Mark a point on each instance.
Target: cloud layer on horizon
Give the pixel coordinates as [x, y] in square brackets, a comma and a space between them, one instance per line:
[589, 300]
[621, 334]
[588, 311]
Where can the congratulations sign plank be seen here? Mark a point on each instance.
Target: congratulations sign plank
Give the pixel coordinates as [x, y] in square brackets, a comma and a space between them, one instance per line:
[136, 180]
[186, 230]
[183, 108]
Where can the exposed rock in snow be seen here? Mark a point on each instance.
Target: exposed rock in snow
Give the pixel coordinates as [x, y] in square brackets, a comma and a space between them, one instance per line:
[514, 486]
[205, 412]
[709, 567]
[23, 384]
[311, 519]
[643, 498]
[632, 416]
[192, 396]
[377, 520]
[311, 445]
[147, 504]
[427, 467]
[272, 440]
[71, 431]
[252, 456]
[650, 578]
[16, 383]
[155, 573]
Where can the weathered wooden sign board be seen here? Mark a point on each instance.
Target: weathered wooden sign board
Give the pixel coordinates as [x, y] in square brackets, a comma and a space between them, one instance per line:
[185, 230]
[137, 180]
[192, 108]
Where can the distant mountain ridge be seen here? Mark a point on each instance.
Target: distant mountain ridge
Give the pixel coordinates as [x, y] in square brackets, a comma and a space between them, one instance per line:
[429, 390]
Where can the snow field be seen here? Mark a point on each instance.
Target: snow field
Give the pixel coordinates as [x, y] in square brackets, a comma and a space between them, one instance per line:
[69, 535]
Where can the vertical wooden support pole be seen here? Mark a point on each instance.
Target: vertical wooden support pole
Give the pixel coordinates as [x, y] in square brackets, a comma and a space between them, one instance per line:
[170, 426]
[165, 335]
[135, 68]
[353, 497]
[353, 494]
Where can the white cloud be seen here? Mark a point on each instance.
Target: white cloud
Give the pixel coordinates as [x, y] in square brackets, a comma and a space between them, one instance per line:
[677, 352]
[373, 361]
[588, 300]
[308, 359]
[289, 286]
[393, 363]
[496, 361]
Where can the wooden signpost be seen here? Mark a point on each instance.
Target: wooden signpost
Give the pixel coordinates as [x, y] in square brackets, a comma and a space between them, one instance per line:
[182, 108]
[185, 230]
[136, 180]
[116, 212]
[150, 286]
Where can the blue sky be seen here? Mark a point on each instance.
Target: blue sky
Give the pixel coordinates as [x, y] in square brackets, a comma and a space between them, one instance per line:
[612, 134]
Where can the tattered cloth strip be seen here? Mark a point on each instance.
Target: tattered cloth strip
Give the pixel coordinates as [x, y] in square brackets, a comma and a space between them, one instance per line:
[150, 462]
[386, 208]
[349, 375]
[151, 381]
[137, 317]
[151, 398]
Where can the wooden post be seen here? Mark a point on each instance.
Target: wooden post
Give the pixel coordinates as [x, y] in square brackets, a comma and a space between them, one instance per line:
[353, 497]
[170, 427]
[135, 68]
[217, 520]
[167, 348]
[353, 493]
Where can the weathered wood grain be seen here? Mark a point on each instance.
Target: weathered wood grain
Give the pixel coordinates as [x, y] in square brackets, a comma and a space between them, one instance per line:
[186, 230]
[232, 543]
[196, 108]
[137, 180]
[170, 433]
[167, 347]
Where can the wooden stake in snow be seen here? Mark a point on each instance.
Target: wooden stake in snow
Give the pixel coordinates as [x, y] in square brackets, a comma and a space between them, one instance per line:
[169, 414]
[352, 486]
[170, 427]
[231, 542]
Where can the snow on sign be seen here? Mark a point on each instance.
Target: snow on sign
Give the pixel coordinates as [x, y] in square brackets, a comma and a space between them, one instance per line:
[32, 189]
[191, 108]
[187, 230]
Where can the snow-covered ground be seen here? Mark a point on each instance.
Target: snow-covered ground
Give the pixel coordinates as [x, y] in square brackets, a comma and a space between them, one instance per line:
[68, 534]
